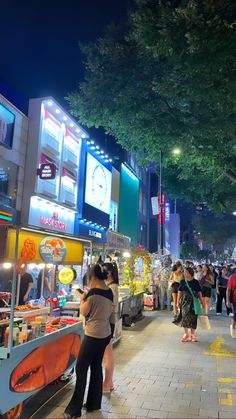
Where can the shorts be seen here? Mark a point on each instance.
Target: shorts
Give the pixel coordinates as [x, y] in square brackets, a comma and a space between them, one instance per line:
[175, 288]
[206, 292]
[112, 329]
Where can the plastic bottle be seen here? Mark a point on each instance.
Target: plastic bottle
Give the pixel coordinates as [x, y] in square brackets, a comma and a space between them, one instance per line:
[15, 334]
[30, 332]
[6, 336]
[24, 332]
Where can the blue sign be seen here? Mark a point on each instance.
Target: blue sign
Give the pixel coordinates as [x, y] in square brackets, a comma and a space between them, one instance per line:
[7, 121]
[90, 231]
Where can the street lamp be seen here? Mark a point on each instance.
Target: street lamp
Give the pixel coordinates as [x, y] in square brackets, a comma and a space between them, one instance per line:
[176, 151]
[234, 213]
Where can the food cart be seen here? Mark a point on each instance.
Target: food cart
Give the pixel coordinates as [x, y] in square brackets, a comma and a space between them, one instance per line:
[48, 346]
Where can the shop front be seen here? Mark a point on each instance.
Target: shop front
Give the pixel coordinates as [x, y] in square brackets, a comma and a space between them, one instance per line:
[38, 344]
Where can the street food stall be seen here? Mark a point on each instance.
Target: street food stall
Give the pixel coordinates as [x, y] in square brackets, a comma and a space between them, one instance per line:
[37, 346]
[136, 280]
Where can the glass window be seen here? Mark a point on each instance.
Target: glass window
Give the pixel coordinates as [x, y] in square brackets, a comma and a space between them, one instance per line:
[8, 182]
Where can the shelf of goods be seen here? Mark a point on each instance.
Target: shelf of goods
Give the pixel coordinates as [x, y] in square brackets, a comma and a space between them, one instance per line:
[61, 341]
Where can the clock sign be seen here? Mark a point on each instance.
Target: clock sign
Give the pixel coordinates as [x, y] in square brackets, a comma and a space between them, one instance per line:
[98, 185]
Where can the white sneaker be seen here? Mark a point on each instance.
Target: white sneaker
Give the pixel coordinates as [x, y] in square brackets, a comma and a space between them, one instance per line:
[231, 314]
[232, 332]
[218, 314]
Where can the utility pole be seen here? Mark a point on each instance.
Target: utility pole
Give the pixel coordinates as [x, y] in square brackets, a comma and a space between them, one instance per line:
[161, 232]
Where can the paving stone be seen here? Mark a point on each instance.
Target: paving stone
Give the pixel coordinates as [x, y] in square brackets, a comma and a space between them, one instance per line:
[139, 412]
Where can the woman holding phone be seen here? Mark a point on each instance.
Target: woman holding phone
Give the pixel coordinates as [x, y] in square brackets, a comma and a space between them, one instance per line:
[96, 306]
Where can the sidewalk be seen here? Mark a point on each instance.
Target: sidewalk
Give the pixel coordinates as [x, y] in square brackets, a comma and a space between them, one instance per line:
[157, 376]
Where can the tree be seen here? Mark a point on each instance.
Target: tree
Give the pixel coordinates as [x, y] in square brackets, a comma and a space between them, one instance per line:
[214, 231]
[170, 82]
[189, 250]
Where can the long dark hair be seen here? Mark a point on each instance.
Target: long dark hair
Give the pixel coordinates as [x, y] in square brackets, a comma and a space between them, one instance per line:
[98, 272]
[112, 268]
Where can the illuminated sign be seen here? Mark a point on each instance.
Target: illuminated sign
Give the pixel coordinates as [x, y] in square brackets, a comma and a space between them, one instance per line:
[98, 185]
[7, 121]
[94, 233]
[66, 276]
[52, 250]
[47, 171]
[6, 217]
[51, 216]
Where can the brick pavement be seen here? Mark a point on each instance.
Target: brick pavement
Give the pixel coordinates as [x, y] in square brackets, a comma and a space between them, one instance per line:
[157, 376]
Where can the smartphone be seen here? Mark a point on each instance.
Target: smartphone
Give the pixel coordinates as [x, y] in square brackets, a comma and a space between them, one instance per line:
[80, 291]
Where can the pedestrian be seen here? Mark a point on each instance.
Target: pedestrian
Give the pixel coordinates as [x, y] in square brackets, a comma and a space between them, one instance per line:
[206, 283]
[175, 278]
[199, 273]
[26, 283]
[231, 302]
[188, 287]
[108, 359]
[164, 281]
[213, 288]
[221, 287]
[97, 307]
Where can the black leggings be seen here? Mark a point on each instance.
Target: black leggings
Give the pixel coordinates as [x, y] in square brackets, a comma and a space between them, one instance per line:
[220, 297]
[91, 355]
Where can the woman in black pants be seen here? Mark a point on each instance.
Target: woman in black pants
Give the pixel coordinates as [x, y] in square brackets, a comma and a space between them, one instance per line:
[221, 287]
[97, 307]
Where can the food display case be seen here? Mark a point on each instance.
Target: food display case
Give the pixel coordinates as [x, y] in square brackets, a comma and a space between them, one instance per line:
[32, 335]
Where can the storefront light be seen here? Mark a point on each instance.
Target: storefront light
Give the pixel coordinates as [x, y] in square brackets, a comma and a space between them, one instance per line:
[65, 118]
[92, 142]
[71, 124]
[83, 135]
[126, 255]
[32, 266]
[50, 103]
[41, 265]
[58, 111]
[49, 265]
[88, 142]
[93, 147]
[7, 265]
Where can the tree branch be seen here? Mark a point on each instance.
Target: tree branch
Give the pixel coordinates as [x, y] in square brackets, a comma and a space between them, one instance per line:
[230, 175]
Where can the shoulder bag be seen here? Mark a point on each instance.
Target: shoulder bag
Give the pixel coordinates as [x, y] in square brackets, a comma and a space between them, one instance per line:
[196, 303]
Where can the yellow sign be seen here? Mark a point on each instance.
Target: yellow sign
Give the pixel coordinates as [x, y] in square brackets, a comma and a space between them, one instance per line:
[66, 276]
[74, 249]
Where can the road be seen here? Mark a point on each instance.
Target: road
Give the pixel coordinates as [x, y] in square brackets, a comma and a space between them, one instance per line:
[157, 376]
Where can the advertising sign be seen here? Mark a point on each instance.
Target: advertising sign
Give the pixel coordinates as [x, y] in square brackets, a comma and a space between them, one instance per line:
[51, 216]
[7, 121]
[90, 232]
[117, 241]
[52, 250]
[66, 276]
[47, 171]
[98, 185]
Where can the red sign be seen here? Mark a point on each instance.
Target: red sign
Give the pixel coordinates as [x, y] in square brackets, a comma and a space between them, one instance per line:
[53, 222]
[161, 208]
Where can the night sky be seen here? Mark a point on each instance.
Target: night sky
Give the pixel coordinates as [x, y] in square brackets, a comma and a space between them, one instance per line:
[39, 41]
[40, 53]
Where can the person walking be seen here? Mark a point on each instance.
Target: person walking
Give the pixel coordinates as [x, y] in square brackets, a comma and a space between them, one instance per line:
[213, 288]
[221, 287]
[97, 307]
[206, 283]
[199, 273]
[108, 359]
[175, 279]
[231, 302]
[188, 287]
[165, 292]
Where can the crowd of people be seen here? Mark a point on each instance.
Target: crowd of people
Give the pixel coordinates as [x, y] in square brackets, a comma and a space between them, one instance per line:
[188, 286]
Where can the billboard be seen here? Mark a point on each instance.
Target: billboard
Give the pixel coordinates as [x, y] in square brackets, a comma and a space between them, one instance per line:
[128, 213]
[97, 185]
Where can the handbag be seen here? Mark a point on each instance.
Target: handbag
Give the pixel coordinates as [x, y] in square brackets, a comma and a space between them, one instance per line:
[196, 303]
[204, 322]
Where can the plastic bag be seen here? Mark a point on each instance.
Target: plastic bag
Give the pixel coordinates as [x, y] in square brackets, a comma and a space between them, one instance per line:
[204, 322]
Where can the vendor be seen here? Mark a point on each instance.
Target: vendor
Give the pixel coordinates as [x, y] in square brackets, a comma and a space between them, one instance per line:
[26, 283]
[46, 292]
